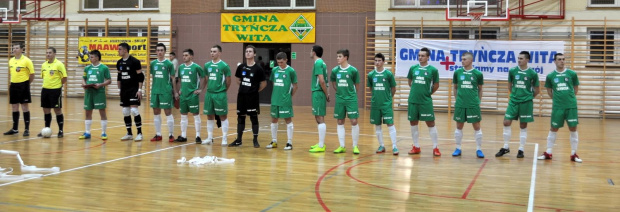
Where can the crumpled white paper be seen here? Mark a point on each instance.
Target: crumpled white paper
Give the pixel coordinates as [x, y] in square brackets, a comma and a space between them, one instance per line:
[206, 160]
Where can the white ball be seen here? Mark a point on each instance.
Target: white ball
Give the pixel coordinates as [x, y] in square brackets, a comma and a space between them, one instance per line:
[46, 132]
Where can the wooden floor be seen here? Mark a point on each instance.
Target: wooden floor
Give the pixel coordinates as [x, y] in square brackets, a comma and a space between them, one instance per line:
[144, 176]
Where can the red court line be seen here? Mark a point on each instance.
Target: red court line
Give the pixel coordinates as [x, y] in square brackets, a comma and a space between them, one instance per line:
[74, 150]
[473, 181]
[318, 182]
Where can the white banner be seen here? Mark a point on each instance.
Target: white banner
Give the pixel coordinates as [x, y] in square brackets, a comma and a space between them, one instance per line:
[492, 58]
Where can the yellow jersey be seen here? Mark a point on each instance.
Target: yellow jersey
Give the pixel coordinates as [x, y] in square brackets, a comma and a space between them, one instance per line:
[52, 74]
[20, 69]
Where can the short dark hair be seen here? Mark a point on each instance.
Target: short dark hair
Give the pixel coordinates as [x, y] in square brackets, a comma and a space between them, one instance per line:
[469, 54]
[343, 52]
[318, 50]
[379, 55]
[189, 51]
[96, 53]
[173, 54]
[526, 53]
[281, 56]
[125, 46]
[21, 44]
[556, 55]
[53, 49]
[251, 47]
[219, 48]
[428, 52]
[162, 45]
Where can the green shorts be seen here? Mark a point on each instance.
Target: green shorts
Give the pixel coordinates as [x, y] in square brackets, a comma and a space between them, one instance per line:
[190, 104]
[421, 112]
[381, 115]
[346, 109]
[469, 115]
[281, 112]
[523, 111]
[216, 104]
[94, 100]
[163, 101]
[559, 116]
[319, 102]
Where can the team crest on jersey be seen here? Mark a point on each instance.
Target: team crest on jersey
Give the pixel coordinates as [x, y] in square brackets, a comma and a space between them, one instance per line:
[251, 74]
[283, 75]
[517, 77]
[163, 68]
[383, 80]
[243, 73]
[347, 76]
[525, 78]
[417, 72]
[52, 73]
[566, 79]
[472, 78]
[18, 69]
[556, 80]
[425, 73]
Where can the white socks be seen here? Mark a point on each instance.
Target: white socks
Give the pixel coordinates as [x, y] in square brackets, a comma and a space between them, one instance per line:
[433, 132]
[210, 124]
[274, 132]
[340, 129]
[87, 124]
[574, 141]
[170, 122]
[507, 135]
[392, 130]
[322, 129]
[458, 137]
[379, 134]
[355, 133]
[184, 126]
[104, 126]
[522, 138]
[157, 120]
[289, 132]
[197, 122]
[415, 136]
[551, 141]
[225, 130]
[478, 136]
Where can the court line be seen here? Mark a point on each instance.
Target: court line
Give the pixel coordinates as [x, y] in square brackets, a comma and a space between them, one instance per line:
[295, 194]
[68, 133]
[530, 202]
[317, 185]
[35, 206]
[473, 181]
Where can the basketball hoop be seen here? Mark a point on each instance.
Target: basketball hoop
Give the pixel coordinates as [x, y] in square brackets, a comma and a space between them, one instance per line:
[476, 18]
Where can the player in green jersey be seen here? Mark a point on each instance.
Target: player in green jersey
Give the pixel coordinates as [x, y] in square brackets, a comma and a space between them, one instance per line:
[424, 81]
[524, 87]
[216, 99]
[344, 79]
[562, 86]
[96, 77]
[468, 83]
[162, 92]
[383, 87]
[192, 83]
[284, 80]
[320, 95]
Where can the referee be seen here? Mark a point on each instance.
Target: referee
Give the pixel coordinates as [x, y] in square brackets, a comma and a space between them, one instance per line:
[54, 76]
[21, 73]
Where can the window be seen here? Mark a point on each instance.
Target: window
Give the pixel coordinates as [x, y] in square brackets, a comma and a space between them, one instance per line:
[603, 3]
[269, 4]
[443, 33]
[18, 35]
[97, 5]
[602, 45]
[117, 32]
[434, 3]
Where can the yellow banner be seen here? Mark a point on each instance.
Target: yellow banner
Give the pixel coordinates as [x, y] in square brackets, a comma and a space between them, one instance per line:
[268, 27]
[108, 46]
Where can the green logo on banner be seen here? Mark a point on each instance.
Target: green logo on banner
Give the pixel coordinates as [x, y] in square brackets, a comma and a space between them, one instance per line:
[301, 27]
[272, 63]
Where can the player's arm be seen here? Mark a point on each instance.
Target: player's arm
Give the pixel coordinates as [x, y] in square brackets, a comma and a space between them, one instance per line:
[31, 78]
[202, 85]
[393, 92]
[536, 91]
[480, 92]
[409, 82]
[435, 87]
[31, 69]
[227, 82]
[294, 89]
[323, 86]
[83, 83]
[334, 86]
[64, 74]
[263, 84]
[576, 88]
[550, 92]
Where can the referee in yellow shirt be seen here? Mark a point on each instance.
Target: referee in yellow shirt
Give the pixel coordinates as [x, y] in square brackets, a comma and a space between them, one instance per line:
[54, 77]
[21, 72]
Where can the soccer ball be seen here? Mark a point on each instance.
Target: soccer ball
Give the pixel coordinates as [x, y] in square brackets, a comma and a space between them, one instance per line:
[46, 132]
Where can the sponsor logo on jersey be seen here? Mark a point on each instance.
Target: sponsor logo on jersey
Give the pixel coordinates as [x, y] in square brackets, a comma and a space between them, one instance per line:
[517, 77]
[556, 80]
[243, 73]
[417, 72]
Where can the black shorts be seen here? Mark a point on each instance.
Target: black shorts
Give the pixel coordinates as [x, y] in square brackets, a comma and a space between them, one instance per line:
[20, 93]
[247, 104]
[51, 98]
[128, 97]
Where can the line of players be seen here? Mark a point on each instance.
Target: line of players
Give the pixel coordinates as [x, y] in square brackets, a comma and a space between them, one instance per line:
[562, 86]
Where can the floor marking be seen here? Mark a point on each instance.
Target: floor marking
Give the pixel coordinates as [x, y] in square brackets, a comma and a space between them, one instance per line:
[66, 133]
[530, 202]
[473, 181]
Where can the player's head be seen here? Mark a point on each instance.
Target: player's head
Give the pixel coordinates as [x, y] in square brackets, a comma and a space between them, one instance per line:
[50, 53]
[316, 50]
[559, 60]
[95, 56]
[342, 56]
[250, 52]
[216, 52]
[188, 55]
[18, 48]
[173, 55]
[423, 55]
[161, 50]
[524, 58]
[467, 59]
[282, 58]
[379, 61]
[123, 49]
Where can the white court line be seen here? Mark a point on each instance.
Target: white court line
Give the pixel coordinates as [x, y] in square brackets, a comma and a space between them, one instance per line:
[69, 133]
[530, 203]
[109, 161]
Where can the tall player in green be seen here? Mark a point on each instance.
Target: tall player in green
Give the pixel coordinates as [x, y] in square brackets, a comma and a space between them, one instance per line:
[383, 87]
[424, 81]
[192, 83]
[216, 99]
[344, 79]
[320, 95]
[468, 83]
[524, 87]
[562, 86]
[96, 77]
[284, 80]
[162, 91]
